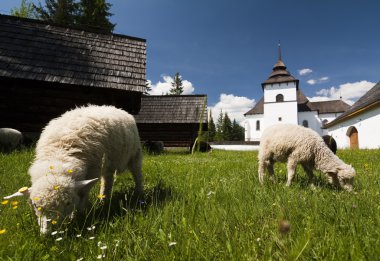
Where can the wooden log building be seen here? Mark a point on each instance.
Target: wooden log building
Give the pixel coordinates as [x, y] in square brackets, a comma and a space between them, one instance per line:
[47, 69]
[172, 119]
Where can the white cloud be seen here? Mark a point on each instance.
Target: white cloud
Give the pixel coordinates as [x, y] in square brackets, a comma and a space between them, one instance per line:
[305, 71]
[349, 92]
[234, 106]
[323, 79]
[311, 81]
[162, 88]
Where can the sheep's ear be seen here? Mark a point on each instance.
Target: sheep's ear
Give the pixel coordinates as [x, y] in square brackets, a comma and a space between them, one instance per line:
[21, 192]
[84, 183]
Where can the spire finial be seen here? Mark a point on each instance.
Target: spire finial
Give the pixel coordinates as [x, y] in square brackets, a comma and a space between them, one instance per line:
[279, 50]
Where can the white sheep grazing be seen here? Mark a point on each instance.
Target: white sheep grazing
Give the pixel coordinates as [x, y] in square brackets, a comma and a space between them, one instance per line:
[73, 151]
[10, 139]
[299, 145]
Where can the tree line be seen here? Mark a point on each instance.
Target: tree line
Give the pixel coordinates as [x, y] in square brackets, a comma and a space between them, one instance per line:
[86, 14]
[224, 129]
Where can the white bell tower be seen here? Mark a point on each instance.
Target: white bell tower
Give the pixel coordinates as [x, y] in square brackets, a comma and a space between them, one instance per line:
[280, 95]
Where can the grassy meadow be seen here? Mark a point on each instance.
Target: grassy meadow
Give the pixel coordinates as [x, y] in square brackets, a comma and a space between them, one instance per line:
[205, 207]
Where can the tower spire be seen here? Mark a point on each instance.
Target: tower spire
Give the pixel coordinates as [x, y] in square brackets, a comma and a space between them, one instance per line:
[279, 51]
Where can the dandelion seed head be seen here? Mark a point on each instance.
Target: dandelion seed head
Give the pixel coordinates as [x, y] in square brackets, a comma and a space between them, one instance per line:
[91, 238]
[59, 239]
[79, 235]
[54, 233]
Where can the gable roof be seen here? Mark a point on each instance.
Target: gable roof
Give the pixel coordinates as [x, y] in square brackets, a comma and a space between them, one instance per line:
[334, 106]
[172, 109]
[366, 102]
[304, 105]
[35, 50]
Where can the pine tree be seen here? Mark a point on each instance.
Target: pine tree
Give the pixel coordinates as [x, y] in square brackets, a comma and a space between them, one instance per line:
[63, 12]
[26, 10]
[177, 87]
[219, 128]
[237, 131]
[227, 128]
[94, 14]
[211, 129]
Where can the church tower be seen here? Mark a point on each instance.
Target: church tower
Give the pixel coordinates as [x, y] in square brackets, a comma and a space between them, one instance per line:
[280, 95]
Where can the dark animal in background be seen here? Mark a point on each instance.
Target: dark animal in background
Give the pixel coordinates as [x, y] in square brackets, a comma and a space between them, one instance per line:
[330, 142]
[204, 146]
[154, 147]
[10, 140]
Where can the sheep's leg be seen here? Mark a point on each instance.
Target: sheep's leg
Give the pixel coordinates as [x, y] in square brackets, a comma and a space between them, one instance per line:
[292, 165]
[135, 166]
[261, 171]
[310, 174]
[271, 171]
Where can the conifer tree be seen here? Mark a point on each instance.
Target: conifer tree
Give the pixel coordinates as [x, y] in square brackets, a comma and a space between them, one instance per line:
[94, 14]
[177, 87]
[62, 12]
[211, 129]
[26, 10]
[219, 128]
[237, 131]
[227, 128]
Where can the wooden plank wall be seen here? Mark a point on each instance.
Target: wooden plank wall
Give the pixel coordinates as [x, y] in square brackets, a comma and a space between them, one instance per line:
[29, 105]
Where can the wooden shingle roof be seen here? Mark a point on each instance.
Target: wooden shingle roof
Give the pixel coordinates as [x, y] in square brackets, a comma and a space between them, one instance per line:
[35, 50]
[172, 109]
[368, 101]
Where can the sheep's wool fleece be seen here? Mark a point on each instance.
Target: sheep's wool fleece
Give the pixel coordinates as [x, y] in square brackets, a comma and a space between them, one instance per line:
[305, 145]
[74, 144]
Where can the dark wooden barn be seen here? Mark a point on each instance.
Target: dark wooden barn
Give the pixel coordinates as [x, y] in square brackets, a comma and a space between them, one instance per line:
[172, 119]
[46, 70]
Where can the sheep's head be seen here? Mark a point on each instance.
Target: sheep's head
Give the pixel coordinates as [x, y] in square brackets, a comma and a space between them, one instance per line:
[343, 176]
[55, 200]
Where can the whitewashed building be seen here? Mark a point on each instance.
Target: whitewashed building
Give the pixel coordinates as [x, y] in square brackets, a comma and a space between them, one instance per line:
[359, 126]
[284, 102]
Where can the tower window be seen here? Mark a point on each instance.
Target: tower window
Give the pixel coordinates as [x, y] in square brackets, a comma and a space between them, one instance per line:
[257, 125]
[305, 123]
[279, 98]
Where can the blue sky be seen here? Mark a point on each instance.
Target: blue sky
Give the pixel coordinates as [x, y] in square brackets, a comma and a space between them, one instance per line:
[226, 49]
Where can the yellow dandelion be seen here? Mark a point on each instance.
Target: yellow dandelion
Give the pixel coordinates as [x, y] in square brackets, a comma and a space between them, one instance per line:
[3, 231]
[51, 167]
[23, 189]
[4, 202]
[14, 203]
[39, 209]
[36, 198]
[56, 187]
[54, 222]
[101, 196]
[70, 171]
[14, 207]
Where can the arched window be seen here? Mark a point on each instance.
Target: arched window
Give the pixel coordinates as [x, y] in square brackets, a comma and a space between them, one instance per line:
[305, 123]
[279, 98]
[257, 125]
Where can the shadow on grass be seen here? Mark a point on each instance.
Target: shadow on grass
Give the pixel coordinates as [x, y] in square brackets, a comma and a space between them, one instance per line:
[120, 205]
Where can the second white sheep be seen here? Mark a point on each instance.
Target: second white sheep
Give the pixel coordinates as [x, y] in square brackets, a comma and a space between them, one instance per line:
[299, 145]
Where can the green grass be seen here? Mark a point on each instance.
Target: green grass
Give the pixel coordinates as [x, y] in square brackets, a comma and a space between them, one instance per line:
[206, 207]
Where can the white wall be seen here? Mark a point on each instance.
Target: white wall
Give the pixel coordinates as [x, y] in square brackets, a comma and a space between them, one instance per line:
[312, 119]
[368, 126]
[251, 134]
